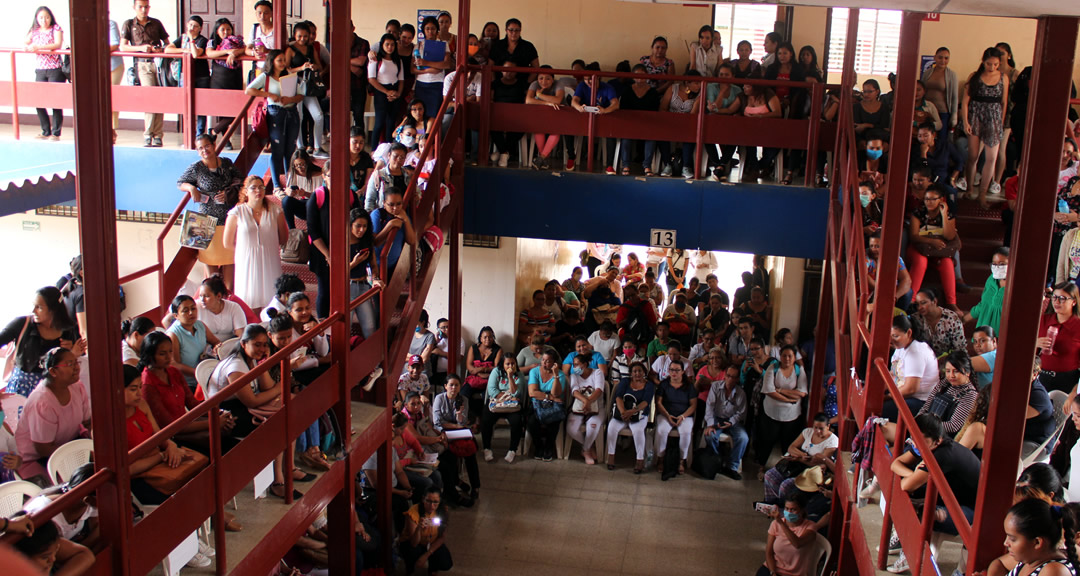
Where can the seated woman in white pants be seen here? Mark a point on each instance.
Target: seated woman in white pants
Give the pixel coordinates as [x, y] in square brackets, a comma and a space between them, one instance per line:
[675, 404]
[587, 388]
[632, 398]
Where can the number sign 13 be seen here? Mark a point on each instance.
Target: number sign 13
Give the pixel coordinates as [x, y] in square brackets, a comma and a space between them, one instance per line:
[660, 238]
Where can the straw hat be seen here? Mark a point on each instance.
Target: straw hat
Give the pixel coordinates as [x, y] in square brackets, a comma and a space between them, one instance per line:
[810, 479]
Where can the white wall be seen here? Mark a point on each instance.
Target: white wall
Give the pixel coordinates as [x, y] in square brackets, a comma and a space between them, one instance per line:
[49, 244]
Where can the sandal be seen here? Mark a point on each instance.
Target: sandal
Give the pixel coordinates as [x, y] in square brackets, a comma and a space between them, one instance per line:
[625, 171]
[304, 477]
[232, 524]
[278, 489]
[649, 173]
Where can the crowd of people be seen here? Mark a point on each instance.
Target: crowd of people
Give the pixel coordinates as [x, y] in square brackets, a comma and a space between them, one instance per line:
[651, 349]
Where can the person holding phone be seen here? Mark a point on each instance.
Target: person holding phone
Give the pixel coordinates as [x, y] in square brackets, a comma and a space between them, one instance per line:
[607, 101]
[788, 549]
[423, 541]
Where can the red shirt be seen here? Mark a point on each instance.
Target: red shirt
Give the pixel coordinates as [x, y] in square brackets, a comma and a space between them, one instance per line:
[1066, 350]
[167, 400]
[139, 429]
[249, 314]
[1012, 188]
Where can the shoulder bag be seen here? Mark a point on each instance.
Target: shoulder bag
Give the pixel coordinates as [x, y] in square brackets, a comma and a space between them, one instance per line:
[579, 406]
[504, 403]
[297, 248]
[548, 411]
[168, 480]
[9, 367]
[947, 251]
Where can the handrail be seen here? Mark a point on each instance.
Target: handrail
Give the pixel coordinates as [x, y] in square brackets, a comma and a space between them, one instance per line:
[214, 400]
[121, 53]
[64, 501]
[664, 77]
[223, 139]
[906, 421]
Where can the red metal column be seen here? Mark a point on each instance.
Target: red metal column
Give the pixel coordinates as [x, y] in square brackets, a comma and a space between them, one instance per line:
[1055, 47]
[188, 74]
[342, 546]
[907, 69]
[96, 197]
[281, 40]
[453, 237]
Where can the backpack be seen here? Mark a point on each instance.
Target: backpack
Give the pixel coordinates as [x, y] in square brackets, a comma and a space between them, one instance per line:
[706, 462]
[637, 327]
[296, 248]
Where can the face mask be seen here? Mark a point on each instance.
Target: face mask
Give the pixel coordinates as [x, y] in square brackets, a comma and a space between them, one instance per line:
[791, 517]
[998, 271]
[864, 200]
[873, 154]
[1, 417]
[418, 329]
[473, 50]
[577, 370]
[410, 141]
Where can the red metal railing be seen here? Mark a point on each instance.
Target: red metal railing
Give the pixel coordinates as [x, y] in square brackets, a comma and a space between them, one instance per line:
[801, 134]
[186, 100]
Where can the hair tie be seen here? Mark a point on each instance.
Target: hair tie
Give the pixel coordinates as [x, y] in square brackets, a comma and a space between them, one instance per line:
[1055, 511]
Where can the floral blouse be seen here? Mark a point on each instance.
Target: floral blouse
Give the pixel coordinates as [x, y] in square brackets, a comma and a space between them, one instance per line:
[946, 335]
[211, 182]
[1073, 201]
[42, 37]
[667, 68]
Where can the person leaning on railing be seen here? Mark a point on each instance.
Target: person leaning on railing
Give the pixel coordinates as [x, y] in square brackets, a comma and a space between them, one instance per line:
[226, 70]
[45, 34]
[52, 554]
[213, 183]
[544, 92]
[959, 466]
[146, 35]
[723, 99]
[194, 43]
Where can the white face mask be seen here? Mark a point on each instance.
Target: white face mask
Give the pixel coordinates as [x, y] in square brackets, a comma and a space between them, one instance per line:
[407, 141]
[998, 271]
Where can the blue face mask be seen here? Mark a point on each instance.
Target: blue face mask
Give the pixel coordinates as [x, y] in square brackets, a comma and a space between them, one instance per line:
[577, 370]
[418, 329]
[873, 154]
[1, 417]
[791, 517]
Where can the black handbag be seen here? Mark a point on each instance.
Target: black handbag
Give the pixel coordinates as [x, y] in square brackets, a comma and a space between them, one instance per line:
[312, 85]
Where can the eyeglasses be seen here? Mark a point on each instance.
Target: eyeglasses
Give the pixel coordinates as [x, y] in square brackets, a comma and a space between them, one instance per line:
[1057, 298]
[515, 30]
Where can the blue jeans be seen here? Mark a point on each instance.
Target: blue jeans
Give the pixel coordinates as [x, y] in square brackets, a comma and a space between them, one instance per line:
[200, 121]
[739, 441]
[284, 125]
[364, 313]
[293, 209]
[308, 438]
[626, 148]
[430, 93]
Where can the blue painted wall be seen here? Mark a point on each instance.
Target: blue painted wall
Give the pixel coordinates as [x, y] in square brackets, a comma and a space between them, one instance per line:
[145, 178]
[749, 218]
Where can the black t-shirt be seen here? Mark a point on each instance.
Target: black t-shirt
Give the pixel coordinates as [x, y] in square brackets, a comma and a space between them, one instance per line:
[33, 346]
[361, 247]
[574, 330]
[511, 93]
[629, 100]
[961, 469]
[523, 54]
[1041, 427]
[400, 181]
[358, 171]
[202, 67]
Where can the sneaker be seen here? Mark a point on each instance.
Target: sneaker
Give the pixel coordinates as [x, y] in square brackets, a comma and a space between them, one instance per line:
[509, 457]
[504, 160]
[687, 173]
[157, 142]
[320, 153]
[488, 456]
[548, 457]
[570, 165]
[894, 544]
[206, 550]
[900, 566]
[712, 176]
[54, 138]
[666, 171]
[199, 561]
[148, 142]
[610, 170]
[961, 184]
[995, 188]
[42, 136]
[731, 473]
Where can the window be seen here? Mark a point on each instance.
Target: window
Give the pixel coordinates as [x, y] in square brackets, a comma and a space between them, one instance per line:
[750, 22]
[877, 45]
[479, 241]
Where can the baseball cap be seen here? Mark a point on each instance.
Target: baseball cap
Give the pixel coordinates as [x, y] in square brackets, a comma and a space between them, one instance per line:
[415, 359]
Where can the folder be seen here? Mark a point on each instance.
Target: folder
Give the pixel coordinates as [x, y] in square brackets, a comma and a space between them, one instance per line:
[288, 84]
[434, 51]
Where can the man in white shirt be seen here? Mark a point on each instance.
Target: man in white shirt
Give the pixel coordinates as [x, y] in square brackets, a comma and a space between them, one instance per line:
[605, 341]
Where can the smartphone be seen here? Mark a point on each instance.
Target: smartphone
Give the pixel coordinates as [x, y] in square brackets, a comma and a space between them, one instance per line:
[766, 509]
[591, 109]
[436, 521]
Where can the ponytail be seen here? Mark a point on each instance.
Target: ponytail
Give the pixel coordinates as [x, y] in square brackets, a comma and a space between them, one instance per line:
[1034, 518]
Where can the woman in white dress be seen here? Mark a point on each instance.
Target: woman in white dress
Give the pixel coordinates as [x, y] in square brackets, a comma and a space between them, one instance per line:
[256, 230]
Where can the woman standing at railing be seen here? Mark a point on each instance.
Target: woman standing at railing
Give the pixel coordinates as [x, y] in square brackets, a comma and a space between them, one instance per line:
[226, 71]
[282, 116]
[1059, 339]
[758, 102]
[430, 74]
[681, 98]
[45, 34]
[386, 75]
[304, 59]
[638, 96]
[787, 68]
[657, 62]
[545, 92]
[255, 230]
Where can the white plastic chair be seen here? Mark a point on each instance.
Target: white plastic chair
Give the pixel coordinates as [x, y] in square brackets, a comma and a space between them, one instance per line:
[13, 496]
[202, 374]
[227, 347]
[67, 458]
[820, 555]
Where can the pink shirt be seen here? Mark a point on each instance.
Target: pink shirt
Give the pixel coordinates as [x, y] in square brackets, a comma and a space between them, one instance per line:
[790, 561]
[44, 420]
[42, 37]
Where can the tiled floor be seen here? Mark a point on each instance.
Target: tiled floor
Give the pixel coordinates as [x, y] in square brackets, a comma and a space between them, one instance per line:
[565, 517]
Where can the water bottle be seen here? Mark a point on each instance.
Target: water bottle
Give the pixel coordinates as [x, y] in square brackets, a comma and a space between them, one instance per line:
[649, 457]
[1063, 206]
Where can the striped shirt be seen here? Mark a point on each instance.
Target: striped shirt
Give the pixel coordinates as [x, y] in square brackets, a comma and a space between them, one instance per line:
[964, 396]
